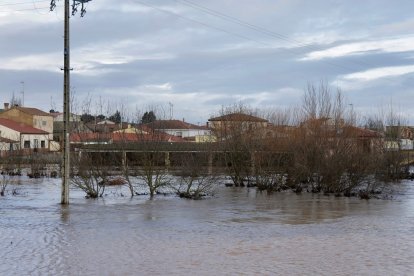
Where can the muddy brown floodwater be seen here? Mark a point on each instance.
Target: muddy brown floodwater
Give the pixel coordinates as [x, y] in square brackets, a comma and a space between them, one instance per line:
[236, 232]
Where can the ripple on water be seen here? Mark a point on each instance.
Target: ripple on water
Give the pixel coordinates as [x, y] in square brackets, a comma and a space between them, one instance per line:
[236, 232]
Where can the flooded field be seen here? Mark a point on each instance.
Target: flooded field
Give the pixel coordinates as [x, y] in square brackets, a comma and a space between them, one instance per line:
[238, 231]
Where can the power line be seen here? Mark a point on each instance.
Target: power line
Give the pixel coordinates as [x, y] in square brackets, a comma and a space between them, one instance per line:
[261, 30]
[22, 3]
[26, 9]
[274, 35]
[228, 32]
[291, 51]
[201, 23]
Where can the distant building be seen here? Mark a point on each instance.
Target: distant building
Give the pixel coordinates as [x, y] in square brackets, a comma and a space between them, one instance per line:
[26, 136]
[75, 125]
[238, 124]
[58, 117]
[105, 126]
[33, 117]
[399, 137]
[7, 146]
[121, 138]
[181, 129]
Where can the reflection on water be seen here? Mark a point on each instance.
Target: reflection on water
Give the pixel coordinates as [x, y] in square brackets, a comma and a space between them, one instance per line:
[237, 232]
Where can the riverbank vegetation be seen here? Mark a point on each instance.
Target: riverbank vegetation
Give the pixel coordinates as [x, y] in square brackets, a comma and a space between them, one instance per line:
[322, 146]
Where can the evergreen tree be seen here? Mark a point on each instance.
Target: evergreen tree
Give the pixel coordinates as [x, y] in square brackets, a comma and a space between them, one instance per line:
[148, 117]
[116, 117]
[86, 118]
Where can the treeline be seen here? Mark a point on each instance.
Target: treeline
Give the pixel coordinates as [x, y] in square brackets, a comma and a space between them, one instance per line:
[322, 146]
[319, 147]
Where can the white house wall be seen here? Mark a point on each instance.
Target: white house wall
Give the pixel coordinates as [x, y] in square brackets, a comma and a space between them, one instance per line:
[8, 133]
[43, 122]
[32, 138]
[185, 133]
[72, 118]
[406, 144]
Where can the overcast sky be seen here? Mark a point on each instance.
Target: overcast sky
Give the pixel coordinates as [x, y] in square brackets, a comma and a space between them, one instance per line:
[202, 55]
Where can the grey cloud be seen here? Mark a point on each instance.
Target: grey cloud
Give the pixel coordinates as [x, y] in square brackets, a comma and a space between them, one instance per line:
[116, 51]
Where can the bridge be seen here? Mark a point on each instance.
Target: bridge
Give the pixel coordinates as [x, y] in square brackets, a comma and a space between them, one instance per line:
[170, 154]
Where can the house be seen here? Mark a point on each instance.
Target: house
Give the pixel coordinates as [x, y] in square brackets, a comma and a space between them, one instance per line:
[120, 137]
[187, 131]
[25, 135]
[367, 140]
[155, 136]
[7, 146]
[75, 125]
[323, 124]
[332, 130]
[105, 126]
[236, 124]
[58, 117]
[33, 117]
[90, 138]
[399, 137]
[137, 130]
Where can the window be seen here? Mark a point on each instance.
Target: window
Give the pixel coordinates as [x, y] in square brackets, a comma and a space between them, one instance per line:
[43, 123]
[42, 144]
[36, 143]
[179, 134]
[26, 144]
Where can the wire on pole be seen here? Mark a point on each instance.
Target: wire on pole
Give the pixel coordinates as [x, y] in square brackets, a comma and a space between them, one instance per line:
[66, 95]
[75, 5]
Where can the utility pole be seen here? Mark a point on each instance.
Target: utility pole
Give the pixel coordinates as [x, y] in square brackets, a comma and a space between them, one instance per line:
[66, 93]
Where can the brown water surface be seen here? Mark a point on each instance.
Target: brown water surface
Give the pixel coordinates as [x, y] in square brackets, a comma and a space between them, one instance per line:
[238, 231]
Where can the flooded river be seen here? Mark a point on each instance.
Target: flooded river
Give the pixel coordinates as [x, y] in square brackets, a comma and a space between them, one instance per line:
[238, 232]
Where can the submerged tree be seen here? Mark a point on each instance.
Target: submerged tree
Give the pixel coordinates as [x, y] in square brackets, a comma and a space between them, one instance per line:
[150, 162]
[239, 133]
[332, 154]
[196, 181]
[10, 171]
[91, 172]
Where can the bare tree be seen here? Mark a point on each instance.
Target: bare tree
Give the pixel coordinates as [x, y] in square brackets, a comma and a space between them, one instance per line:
[151, 160]
[239, 132]
[195, 179]
[92, 172]
[92, 165]
[10, 171]
[331, 154]
[272, 158]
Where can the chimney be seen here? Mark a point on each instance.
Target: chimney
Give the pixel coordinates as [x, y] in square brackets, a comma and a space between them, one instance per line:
[6, 106]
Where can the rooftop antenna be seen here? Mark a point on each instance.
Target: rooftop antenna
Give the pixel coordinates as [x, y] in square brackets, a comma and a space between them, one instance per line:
[66, 90]
[171, 110]
[22, 82]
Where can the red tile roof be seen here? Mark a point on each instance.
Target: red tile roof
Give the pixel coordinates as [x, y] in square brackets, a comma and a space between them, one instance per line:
[153, 137]
[174, 124]
[120, 137]
[362, 132]
[89, 137]
[20, 127]
[30, 110]
[238, 117]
